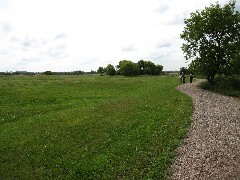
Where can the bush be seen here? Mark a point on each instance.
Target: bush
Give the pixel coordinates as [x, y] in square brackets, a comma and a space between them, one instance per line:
[225, 86]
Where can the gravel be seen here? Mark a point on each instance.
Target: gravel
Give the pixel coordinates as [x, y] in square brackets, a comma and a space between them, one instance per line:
[211, 149]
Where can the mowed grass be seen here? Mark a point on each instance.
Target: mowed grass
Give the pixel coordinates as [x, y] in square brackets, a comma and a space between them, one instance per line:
[90, 127]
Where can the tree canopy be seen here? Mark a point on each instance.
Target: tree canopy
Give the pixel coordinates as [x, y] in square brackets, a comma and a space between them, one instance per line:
[212, 40]
[129, 68]
[149, 68]
[100, 70]
[110, 70]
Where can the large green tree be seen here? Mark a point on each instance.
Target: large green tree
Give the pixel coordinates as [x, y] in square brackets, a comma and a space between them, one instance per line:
[212, 39]
[100, 70]
[110, 70]
[128, 68]
[149, 68]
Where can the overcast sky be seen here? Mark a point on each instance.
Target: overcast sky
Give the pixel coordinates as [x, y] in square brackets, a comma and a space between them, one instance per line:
[69, 35]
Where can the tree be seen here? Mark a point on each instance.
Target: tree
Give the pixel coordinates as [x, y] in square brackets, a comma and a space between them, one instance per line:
[128, 68]
[184, 70]
[212, 39]
[149, 68]
[110, 70]
[141, 65]
[48, 73]
[77, 72]
[131, 69]
[158, 69]
[100, 70]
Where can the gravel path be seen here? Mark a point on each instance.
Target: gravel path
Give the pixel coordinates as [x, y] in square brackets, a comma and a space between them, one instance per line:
[211, 149]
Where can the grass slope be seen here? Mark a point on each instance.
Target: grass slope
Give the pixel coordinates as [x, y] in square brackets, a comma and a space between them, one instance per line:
[227, 86]
[90, 127]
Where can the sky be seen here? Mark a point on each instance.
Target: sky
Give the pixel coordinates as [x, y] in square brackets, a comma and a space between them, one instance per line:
[71, 35]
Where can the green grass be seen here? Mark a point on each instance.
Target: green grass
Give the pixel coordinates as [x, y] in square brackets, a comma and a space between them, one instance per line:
[226, 86]
[90, 127]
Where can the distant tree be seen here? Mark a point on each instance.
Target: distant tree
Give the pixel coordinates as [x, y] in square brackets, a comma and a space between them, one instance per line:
[141, 65]
[93, 72]
[100, 70]
[110, 70]
[77, 72]
[128, 68]
[48, 73]
[149, 68]
[158, 69]
[212, 39]
[185, 70]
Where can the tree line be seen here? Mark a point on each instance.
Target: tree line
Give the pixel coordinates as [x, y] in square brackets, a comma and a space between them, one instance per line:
[129, 68]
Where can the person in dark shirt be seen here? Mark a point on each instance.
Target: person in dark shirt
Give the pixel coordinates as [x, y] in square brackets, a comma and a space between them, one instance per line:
[191, 77]
[183, 77]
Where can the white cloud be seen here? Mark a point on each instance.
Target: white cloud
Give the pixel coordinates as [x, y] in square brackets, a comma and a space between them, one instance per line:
[67, 35]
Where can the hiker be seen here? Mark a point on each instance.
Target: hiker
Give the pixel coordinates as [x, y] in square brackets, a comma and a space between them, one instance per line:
[180, 77]
[183, 77]
[191, 77]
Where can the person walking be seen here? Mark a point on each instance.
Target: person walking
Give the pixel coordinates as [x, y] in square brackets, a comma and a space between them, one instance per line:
[183, 77]
[191, 77]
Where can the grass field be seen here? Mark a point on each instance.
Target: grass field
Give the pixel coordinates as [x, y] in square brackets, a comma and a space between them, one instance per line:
[90, 127]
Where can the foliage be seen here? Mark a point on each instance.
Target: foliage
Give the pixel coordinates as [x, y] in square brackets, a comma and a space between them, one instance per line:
[100, 70]
[129, 68]
[90, 127]
[212, 38]
[227, 86]
[77, 72]
[48, 73]
[149, 68]
[110, 70]
[158, 70]
[185, 70]
[234, 67]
